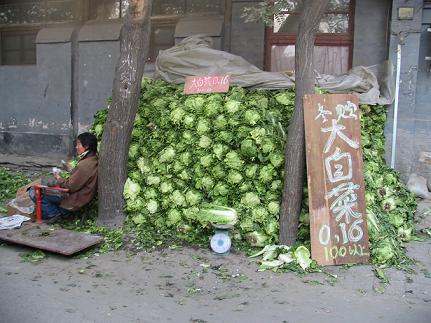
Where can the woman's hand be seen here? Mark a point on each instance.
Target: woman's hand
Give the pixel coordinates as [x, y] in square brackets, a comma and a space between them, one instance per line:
[57, 176]
[66, 166]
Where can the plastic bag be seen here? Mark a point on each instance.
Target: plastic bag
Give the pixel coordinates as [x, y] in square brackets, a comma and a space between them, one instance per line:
[22, 205]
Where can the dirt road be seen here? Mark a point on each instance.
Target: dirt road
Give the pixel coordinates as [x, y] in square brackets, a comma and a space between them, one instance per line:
[188, 285]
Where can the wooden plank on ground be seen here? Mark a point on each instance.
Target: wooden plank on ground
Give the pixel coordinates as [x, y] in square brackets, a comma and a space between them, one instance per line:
[338, 220]
[50, 238]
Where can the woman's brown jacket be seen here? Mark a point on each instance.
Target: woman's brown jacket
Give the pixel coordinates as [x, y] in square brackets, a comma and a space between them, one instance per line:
[82, 184]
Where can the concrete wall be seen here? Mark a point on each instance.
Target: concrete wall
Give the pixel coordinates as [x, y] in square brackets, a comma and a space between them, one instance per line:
[72, 79]
[371, 33]
[422, 134]
[246, 39]
[414, 123]
[98, 52]
[44, 105]
[35, 102]
[96, 71]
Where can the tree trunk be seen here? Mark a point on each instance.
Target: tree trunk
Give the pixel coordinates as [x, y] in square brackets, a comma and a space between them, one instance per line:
[134, 43]
[295, 148]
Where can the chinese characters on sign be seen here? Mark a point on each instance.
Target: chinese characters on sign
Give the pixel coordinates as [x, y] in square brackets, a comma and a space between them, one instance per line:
[338, 220]
[206, 84]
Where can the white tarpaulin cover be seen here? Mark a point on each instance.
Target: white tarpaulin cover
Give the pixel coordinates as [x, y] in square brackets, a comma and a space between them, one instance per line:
[195, 57]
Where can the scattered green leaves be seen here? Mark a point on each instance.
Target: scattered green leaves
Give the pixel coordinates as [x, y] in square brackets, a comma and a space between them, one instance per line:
[380, 274]
[9, 184]
[33, 256]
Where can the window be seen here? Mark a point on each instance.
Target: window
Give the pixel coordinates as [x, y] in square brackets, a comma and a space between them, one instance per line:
[108, 9]
[20, 21]
[182, 7]
[333, 45]
[162, 37]
[34, 12]
[166, 14]
[336, 19]
[18, 48]
[116, 9]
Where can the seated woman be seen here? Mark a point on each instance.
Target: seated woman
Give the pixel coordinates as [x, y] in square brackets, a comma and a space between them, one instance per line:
[82, 183]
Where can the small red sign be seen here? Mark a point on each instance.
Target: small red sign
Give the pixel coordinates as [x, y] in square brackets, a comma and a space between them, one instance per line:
[206, 84]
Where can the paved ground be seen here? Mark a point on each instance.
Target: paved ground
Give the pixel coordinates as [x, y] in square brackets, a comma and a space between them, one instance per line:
[190, 285]
[25, 162]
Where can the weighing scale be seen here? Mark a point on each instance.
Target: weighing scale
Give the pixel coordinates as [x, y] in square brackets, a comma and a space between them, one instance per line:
[220, 241]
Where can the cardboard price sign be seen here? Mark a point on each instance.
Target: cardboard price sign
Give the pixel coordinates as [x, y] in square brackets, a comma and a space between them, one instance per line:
[338, 219]
[206, 84]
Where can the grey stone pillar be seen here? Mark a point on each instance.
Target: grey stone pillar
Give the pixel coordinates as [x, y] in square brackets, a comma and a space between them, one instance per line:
[405, 31]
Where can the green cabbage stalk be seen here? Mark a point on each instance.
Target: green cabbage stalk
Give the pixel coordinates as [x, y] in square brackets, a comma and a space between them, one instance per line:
[276, 257]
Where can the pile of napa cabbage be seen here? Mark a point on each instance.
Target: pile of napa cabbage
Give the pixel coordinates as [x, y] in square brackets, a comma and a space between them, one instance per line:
[188, 152]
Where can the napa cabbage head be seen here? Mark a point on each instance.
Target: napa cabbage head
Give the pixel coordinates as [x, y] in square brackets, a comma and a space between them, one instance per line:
[250, 200]
[189, 121]
[167, 155]
[206, 161]
[212, 108]
[276, 185]
[302, 256]
[257, 239]
[135, 205]
[276, 159]
[383, 252]
[232, 160]
[204, 141]
[220, 122]
[218, 171]
[234, 177]
[232, 106]
[153, 180]
[174, 217]
[251, 170]
[178, 198]
[166, 187]
[203, 126]
[273, 208]
[206, 183]
[271, 228]
[143, 165]
[177, 115]
[150, 193]
[248, 148]
[221, 189]
[266, 173]
[268, 146]
[194, 103]
[185, 174]
[259, 214]
[217, 214]
[152, 206]
[185, 158]
[258, 134]
[219, 150]
[131, 189]
[133, 151]
[193, 197]
[252, 117]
